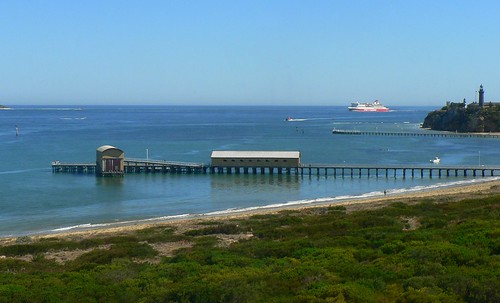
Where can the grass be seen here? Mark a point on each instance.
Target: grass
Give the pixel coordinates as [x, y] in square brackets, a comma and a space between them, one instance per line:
[314, 255]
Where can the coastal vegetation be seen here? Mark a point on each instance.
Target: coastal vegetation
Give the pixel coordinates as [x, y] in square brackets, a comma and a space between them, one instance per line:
[461, 118]
[431, 250]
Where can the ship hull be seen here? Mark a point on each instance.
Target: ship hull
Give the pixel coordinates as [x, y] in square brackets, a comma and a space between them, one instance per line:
[375, 106]
[369, 109]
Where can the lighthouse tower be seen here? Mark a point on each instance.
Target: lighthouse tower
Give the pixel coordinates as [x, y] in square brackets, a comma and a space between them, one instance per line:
[481, 96]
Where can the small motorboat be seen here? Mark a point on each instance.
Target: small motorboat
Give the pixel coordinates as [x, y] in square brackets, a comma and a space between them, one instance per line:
[436, 160]
[290, 119]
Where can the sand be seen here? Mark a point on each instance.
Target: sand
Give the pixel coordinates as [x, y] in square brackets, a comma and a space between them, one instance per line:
[180, 226]
[446, 194]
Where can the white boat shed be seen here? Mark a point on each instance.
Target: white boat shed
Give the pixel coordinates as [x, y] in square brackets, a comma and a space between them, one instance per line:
[276, 159]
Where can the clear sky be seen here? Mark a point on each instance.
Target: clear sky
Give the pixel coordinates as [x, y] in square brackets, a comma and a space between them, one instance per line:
[254, 52]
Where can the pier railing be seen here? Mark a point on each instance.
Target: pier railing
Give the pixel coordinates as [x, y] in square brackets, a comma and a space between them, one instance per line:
[133, 161]
[401, 170]
[416, 134]
[335, 170]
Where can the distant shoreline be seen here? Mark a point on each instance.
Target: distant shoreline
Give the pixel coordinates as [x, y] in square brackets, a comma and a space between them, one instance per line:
[451, 193]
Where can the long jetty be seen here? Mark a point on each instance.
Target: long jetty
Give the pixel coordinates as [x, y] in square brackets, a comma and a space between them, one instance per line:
[135, 166]
[416, 134]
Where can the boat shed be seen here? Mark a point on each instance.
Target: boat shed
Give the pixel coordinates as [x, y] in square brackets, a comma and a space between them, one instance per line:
[109, 161]
[277, 159]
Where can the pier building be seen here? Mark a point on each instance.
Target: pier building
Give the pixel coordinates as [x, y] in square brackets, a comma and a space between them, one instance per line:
[255, 158]
[229, 161]
[109, 161]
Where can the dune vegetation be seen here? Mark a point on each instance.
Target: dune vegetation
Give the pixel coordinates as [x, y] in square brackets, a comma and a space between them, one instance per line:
[436, 250]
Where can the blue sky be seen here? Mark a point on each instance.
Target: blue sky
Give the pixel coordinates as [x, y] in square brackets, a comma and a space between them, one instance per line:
[248, 52]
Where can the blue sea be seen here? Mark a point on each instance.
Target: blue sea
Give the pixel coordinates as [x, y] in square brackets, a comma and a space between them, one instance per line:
[34, 200]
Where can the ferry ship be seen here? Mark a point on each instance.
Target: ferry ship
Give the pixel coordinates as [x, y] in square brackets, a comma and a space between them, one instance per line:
[375, 106]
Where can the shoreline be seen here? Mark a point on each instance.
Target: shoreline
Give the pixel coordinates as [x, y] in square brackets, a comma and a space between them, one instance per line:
[444, 194]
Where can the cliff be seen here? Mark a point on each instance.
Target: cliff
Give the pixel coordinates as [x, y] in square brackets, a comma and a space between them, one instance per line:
[460, 118]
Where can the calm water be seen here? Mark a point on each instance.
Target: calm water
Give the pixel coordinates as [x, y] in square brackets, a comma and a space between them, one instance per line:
[34, 200]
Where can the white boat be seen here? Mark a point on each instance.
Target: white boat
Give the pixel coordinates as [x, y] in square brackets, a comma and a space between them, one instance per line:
[375, 106]
[436, 160]
[290, 119]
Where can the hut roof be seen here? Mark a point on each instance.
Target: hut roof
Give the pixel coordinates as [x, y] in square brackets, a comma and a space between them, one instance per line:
[107, 147]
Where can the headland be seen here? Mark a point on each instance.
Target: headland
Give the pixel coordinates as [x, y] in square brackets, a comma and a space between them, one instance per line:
[481, 117]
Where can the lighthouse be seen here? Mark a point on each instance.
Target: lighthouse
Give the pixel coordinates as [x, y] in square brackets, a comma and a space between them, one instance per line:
[481, 96]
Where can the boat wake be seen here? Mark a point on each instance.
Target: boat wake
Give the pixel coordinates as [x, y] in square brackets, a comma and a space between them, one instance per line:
[73, 118]
[51, 108]
[290, 119]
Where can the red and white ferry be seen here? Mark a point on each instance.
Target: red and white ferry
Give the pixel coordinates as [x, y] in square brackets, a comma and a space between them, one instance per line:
[375, 106]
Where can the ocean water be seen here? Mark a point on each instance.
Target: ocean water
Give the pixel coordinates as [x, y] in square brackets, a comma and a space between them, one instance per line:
[34, 200]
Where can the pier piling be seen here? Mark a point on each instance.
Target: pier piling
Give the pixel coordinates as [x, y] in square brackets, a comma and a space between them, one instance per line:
[136, 166]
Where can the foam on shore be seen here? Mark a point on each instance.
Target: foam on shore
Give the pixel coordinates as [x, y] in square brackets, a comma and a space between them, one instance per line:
[375, 195]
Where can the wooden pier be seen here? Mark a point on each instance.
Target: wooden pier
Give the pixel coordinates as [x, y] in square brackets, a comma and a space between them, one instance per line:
[134, 166]
[359, 170]
[160, 166]
[417, 134]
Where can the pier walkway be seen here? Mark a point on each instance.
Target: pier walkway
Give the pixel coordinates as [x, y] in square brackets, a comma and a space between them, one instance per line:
[336, 170]
[133, 166]
[417, 134]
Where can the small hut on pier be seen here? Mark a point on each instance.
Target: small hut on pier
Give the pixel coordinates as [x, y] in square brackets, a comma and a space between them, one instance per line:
[109, 161]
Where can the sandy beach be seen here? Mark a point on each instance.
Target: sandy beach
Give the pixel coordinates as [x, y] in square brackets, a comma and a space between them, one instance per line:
[447, 194]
